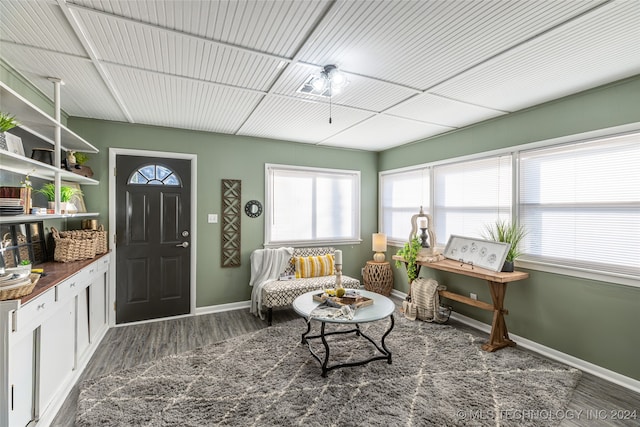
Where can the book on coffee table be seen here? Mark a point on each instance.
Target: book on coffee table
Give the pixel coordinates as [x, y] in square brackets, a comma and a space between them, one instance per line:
[356, 301]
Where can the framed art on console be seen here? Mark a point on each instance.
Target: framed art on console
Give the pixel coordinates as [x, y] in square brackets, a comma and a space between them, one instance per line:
[482, 253]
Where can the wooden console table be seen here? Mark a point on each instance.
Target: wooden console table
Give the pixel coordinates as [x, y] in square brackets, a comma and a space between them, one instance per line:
[497, 282]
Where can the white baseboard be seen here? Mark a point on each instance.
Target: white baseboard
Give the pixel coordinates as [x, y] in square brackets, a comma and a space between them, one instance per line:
[583, 365]
[398, 295]
[223, 307]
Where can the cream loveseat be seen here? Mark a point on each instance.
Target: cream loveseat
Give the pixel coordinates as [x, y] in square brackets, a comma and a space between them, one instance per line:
[281, 293]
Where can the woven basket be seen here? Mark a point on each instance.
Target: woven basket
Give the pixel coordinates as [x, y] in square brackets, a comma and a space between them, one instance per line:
[72, 249]
[378, 278]
[20, 291]
[100, 235]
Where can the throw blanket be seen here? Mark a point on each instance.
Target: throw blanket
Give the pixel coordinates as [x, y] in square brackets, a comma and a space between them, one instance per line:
[331, 310]
[425, 301]
[266, 266]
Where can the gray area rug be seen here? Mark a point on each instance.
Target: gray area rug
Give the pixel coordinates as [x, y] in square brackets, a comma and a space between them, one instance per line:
[439, 377]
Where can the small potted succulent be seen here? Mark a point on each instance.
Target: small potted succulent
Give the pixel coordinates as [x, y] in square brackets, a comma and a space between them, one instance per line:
[81, 158]
[7, 122]
[25, 265]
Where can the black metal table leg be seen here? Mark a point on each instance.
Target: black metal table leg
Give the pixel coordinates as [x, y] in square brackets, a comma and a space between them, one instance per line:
[326, 353]
[304, 340]
[385, 336]
[382, 348]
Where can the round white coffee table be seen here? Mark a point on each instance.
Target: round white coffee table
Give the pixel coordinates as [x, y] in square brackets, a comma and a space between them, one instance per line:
[381, 308]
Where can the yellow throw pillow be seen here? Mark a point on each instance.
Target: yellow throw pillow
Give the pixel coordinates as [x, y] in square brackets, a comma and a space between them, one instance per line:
[314, 266]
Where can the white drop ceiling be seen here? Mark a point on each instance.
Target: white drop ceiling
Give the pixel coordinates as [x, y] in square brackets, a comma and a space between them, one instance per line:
[415, 68]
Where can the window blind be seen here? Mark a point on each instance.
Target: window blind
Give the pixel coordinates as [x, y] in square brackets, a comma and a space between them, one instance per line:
[470, 195]
[311, 205]
[402, 194]
[581, 204]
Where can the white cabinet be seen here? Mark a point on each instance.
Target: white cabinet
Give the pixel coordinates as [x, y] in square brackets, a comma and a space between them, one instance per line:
[45, 343]
[57, 337]
[30, 315]
[98, 302]
[98, 299]
[49, 341]
[21, 385]
[82, 324]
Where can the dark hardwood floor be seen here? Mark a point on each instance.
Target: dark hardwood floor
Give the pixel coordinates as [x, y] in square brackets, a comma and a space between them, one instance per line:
[596, 401]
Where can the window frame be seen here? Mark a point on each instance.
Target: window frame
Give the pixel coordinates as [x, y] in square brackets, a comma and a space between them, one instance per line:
[354, 175]
[543, 265]
[440, 209]
[561, 207]
[425, 170]
[155, 181]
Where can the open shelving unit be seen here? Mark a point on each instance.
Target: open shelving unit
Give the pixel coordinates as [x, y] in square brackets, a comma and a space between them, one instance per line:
[24, 165]
[50, 130]
[38, 123]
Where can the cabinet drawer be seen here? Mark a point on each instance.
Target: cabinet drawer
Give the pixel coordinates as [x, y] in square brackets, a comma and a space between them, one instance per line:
[35, 311]
[70, 287]
[103, 263]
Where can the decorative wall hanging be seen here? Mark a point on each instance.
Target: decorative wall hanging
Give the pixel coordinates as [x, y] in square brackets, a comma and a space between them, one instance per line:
[253, 209]
[231, 211]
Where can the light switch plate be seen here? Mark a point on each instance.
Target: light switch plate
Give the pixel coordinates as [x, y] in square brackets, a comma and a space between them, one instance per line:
[212, 218]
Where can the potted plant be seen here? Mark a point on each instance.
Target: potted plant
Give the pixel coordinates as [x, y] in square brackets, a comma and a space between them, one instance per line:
[66, 194]
[25, 265]
[81, 158]
[7, 122]
[506, 232]
[409, 252]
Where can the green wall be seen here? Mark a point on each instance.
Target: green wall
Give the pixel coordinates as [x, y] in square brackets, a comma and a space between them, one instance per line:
[228, 157]
[593, 321]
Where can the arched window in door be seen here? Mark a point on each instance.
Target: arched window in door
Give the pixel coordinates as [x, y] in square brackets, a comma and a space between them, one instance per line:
[155, 175]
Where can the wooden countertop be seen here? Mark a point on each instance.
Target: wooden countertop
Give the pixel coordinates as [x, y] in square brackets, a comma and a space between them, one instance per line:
[57, 272]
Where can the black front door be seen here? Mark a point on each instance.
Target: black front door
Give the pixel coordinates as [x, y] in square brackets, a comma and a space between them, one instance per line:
[153, 236]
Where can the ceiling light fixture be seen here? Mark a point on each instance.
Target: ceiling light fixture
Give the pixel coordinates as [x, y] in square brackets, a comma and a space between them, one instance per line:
[330, 81]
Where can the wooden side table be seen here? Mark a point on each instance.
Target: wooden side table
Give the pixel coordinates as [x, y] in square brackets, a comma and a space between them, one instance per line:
[378, 277]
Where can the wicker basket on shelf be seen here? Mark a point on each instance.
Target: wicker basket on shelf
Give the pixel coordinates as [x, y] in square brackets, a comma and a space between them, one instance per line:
[73, 249]
[100, 235]
[20, 291]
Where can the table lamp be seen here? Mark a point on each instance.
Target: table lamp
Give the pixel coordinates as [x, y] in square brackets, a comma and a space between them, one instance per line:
[379, 246]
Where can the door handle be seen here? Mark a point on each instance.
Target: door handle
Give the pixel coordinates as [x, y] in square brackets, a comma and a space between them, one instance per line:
[183, 245]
